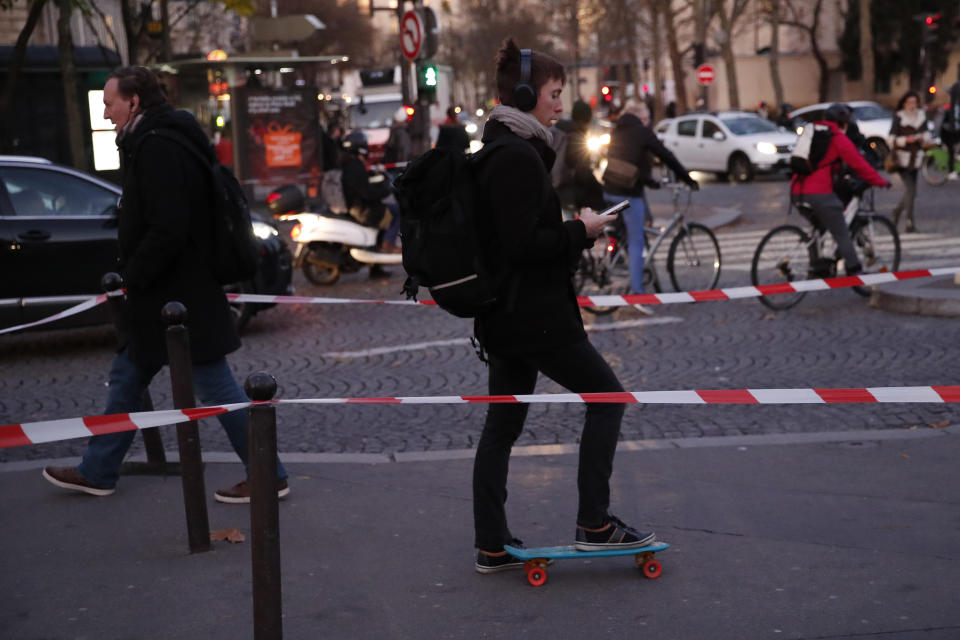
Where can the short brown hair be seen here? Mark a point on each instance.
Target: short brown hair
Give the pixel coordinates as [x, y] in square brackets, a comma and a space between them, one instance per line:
[142, 82]
[543, 68]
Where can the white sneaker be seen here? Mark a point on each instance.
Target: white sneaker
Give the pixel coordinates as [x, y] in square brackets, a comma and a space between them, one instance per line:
[953, 176]
[647, 311]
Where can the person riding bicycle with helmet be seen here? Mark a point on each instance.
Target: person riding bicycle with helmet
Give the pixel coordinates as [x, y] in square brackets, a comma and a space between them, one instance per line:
[817, 189]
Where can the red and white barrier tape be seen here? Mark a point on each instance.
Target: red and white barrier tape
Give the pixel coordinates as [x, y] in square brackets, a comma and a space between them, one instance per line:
[90, 303]
[15, 435]
[730, 293]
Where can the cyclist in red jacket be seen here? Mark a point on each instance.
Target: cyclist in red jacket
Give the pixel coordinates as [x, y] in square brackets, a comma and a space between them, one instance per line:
[816, 189]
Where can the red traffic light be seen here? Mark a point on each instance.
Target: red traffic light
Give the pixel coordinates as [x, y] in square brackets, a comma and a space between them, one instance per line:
[932, 19]
[605, 90]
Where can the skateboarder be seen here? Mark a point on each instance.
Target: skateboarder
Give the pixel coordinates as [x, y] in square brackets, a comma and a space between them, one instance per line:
[536, 326]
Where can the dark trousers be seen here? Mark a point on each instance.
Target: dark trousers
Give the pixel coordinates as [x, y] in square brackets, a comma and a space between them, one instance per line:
[829, 213]
[579, 368]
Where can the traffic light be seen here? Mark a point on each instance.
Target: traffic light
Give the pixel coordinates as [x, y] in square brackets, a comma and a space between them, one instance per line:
[606, 93]
[931, 27]
[427, 79]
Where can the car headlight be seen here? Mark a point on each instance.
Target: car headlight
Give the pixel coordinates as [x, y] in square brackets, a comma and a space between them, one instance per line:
[799, 131]
[605, 139]
[471, 128]
[594, 143]
[263, 231]
[767, 148]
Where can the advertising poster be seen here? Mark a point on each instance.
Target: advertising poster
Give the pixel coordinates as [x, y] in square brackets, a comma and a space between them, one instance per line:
[278, 135]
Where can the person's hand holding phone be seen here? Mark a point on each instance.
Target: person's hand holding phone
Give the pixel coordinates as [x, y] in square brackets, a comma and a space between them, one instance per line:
[593, 222]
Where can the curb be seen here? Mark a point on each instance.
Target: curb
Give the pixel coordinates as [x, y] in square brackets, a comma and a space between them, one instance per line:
[937, 297]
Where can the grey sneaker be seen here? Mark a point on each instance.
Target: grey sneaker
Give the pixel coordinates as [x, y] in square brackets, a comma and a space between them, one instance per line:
[614, 535]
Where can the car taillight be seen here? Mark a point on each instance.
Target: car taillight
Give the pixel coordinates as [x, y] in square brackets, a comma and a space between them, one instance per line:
[295, 232]
[611, 246]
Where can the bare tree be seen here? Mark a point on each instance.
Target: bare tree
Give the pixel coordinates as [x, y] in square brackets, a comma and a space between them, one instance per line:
[68, 72]
[672, 19]
[729, 14]
[868, 67]
[809, 23]
[774, 59]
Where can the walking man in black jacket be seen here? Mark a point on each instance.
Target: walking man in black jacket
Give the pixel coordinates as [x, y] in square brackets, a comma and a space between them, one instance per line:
[165, 233]
[633, 141]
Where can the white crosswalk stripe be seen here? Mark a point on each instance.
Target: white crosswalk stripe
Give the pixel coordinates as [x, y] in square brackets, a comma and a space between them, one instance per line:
[917, 249]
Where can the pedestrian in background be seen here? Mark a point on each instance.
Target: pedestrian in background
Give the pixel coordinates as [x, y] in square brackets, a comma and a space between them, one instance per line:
[399, 146]
[165, 234]
[577, 186]
[631, 142]
[225, 149]
[950, 129]
[536, 325]
[909, 135]
[453, 135]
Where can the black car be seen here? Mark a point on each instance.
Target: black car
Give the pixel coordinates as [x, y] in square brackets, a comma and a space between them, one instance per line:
[58, 236]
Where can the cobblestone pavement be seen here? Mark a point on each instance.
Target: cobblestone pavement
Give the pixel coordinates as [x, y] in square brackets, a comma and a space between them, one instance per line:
[832, 339]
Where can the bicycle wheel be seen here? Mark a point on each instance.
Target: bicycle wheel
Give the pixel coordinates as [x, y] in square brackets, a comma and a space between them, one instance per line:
[603, 271]
[783, 255]
[877, 243]
[935, 167]
[693, 261]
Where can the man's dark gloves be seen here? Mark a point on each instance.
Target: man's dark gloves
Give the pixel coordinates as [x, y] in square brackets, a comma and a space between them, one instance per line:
[693, 184]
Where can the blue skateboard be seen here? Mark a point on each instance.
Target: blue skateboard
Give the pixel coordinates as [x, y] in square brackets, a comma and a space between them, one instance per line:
[538, 557]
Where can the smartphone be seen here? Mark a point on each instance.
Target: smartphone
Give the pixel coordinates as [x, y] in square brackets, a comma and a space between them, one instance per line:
[615, 209]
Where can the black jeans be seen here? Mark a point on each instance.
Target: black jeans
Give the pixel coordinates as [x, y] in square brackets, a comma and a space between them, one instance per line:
[579, 368]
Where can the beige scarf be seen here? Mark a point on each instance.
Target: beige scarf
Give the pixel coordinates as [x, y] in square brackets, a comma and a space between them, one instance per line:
[521, 123]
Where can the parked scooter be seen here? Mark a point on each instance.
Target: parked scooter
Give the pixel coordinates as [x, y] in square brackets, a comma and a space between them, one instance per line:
[328, 243]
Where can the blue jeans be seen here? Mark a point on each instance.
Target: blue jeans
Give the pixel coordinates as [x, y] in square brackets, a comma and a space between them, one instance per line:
[634, 218]
[213, 383]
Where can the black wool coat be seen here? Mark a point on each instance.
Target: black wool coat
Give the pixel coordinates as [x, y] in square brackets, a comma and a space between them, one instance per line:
[530, 246]
[165, 236]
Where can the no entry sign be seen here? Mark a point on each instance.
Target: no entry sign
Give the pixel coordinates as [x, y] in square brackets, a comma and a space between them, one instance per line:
[411, 35]
[705, 75]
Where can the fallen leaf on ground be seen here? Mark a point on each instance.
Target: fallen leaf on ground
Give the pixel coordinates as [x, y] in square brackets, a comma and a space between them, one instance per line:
[939, 425]
[905, 456]
[232, 536]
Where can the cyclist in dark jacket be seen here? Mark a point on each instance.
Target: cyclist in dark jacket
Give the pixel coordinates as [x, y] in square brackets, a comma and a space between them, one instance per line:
[632, 141]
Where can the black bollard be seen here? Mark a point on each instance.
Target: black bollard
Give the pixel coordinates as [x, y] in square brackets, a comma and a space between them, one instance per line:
[174, 316]
[264, 509]
[152, 442]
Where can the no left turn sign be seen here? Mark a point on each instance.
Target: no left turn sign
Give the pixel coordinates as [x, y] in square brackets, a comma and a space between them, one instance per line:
[411, 35]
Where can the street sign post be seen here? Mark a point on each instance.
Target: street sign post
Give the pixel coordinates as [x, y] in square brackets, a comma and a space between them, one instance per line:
[705, 75]
[411, 35]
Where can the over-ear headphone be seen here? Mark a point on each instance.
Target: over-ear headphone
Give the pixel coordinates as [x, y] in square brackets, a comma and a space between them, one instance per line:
[524, 95]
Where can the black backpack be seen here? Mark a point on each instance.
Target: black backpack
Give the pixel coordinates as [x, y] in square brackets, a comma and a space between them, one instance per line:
[811, 147]
[235, 254]
[438, 196]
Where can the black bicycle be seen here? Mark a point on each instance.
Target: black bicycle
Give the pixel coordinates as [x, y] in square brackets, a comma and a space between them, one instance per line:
[789, 254]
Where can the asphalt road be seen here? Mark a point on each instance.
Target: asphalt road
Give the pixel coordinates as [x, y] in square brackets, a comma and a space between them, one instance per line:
[832, 339]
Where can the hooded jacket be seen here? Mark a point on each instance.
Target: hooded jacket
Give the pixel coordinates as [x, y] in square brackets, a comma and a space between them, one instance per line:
[841, 150]
[165, 227]
[632, 141]
[526, 241]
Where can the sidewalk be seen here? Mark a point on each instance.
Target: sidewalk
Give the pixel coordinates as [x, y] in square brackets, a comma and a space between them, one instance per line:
[939, 296]
[829, 536]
